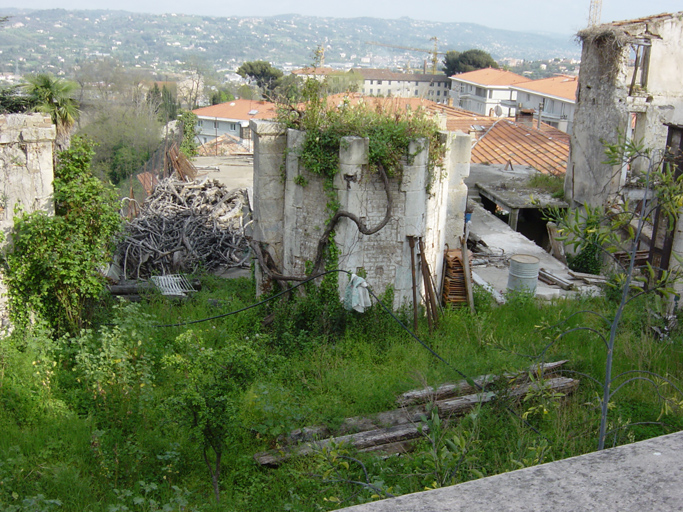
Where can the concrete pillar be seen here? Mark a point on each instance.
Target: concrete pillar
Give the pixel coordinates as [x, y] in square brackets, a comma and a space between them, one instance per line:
[293, 203]
[353, 156]
[459, 157]
[269, 146]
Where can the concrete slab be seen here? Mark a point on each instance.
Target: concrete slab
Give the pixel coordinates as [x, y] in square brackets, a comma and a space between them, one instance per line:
[232, 171]
[503, 243]
[632, 478]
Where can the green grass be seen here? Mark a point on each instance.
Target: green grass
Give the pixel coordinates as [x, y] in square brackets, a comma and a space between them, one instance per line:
[99, 436]
[552, 184]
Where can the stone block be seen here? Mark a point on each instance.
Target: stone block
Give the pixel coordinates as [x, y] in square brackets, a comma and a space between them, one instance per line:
[419, 151]
[354, 151]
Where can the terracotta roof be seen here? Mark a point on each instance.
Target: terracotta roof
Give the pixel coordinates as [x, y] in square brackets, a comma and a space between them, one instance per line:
[317, 71]
[490, 76]
[239, 110]
[392, 103]
[561, 86]
[507, 141]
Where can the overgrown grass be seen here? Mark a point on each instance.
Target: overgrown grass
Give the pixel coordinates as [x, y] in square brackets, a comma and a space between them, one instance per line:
[550, 183]
[100, 433]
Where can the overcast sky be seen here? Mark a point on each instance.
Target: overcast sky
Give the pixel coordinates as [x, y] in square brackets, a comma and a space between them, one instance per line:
[559, 16]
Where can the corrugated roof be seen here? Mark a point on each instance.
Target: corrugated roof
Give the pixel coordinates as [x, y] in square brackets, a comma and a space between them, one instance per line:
[490, 76]
[507, 141]
[561, 86]
[239, 110]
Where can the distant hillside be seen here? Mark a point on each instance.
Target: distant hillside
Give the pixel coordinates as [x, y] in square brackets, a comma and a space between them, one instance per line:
[57, 39]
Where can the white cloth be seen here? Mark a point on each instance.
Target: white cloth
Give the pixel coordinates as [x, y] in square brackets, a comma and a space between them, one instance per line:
[356, 295]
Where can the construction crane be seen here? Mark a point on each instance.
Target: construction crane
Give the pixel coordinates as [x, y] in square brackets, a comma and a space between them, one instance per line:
[433, 52]
[595, 13]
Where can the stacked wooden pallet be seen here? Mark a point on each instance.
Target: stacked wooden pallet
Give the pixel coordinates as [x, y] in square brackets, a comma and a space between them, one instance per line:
[454, 286]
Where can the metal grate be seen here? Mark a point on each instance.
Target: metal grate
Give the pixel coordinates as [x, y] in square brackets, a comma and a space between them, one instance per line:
[175, 285]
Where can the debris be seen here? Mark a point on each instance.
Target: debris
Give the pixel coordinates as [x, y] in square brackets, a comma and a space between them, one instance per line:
[550, 278]
[405, 423]
[186, 226]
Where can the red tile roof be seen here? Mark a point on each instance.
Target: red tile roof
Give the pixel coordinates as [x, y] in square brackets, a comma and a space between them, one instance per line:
[507, 141]
[561, 86]
[239, 110]
[317, 71]
[491, 76]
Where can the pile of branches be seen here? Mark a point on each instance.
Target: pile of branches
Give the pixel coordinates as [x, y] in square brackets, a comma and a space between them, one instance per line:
[184, 227]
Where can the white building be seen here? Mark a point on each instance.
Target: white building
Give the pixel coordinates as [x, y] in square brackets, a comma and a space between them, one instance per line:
[555, 97]
[231, 117]
[385, 83]
[486, 91]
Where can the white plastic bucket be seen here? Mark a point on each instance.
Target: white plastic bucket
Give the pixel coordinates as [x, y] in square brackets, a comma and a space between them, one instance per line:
[523, 274]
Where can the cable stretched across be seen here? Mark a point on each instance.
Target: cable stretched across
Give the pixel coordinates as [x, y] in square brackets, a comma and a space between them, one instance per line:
[387, 310]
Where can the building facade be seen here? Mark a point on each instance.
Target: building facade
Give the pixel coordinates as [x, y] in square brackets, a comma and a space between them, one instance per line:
[486, 91]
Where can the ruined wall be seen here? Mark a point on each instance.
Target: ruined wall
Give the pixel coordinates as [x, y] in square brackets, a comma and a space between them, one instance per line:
[293, 220]
[606, 101]
[26, 171]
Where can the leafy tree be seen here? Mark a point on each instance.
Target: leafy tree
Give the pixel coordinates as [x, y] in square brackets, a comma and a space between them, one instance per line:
[208, 388]
[263, 73]
[169, 105]
[221, 96]
[188, 125]
[470, 60]
[54, 96]
[52, 263]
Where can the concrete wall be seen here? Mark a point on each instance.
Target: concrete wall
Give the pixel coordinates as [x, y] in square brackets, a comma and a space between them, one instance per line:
[290, 217]
[26, 172]
[604, 106]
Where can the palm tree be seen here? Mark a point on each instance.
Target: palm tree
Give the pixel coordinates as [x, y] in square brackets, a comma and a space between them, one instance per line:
[54, 96]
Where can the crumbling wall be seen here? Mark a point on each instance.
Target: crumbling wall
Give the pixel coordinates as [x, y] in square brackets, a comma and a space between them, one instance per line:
[608, 97]
[290, 209]
[26, 171]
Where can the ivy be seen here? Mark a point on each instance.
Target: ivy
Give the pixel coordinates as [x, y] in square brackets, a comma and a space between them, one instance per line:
[51, 265]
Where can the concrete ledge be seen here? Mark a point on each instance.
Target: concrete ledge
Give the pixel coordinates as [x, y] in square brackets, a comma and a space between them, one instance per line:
[644, 476]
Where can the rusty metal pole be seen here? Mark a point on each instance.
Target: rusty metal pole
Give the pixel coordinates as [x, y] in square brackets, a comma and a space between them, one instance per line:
[411, 241]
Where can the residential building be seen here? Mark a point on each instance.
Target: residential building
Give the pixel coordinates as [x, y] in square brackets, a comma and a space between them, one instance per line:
[383, 82]
[232, 118]
[554, 98]
[486, 91]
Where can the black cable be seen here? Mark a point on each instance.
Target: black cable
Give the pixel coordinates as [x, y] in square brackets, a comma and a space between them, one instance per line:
[391, 313]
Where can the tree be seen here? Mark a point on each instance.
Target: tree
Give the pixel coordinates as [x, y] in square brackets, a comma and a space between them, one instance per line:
[52, 265]
[470, 60]
[263, 73]
[188, 125]
[54, 96]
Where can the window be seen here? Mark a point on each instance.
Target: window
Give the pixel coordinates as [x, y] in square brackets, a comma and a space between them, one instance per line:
[371, 82]
[528, 97]
[431, 84]
[200, 123]
[389, 82]
[216, 124]
[415, 92]
[480, 91]
[371, 91]
[379, 82]
[438, 93]
[416, 84]
[491, 94]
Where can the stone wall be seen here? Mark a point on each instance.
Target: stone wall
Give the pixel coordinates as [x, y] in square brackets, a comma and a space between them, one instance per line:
[26, 171]
[290, 208]
[608, 101]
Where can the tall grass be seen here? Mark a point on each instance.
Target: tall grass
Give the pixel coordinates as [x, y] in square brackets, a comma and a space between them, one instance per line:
[98, 436]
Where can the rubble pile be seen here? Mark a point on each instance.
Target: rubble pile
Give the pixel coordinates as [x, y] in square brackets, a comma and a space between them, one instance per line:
[185, 226]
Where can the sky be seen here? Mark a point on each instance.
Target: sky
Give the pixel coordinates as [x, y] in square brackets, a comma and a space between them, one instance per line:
[549, 16]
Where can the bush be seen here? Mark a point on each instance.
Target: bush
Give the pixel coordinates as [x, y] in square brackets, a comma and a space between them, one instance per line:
[52, 263]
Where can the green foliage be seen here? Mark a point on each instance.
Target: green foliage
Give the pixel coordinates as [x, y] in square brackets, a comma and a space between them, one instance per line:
[550, 183]
[263, 73]
[461, 62]
[188, 125]
[390, 133]
[13, 102]
[52, 265]
[54, 97]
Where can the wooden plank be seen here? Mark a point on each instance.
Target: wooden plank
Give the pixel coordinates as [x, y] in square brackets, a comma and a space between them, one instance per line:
[467, 272]
[462, 387]
[409, 419]
[543, 273]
